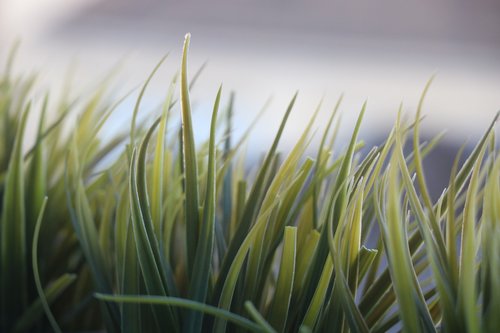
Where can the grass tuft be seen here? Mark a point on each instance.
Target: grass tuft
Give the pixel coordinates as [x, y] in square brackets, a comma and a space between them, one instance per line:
[152, 230]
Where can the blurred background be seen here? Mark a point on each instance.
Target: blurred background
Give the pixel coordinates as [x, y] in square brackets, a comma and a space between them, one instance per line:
[380, 51]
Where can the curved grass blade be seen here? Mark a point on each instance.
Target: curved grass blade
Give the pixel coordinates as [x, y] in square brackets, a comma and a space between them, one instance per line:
[259, 319]
[183, 303]
[36, 310]
[155, 278]
[34, 255]
[399, 262]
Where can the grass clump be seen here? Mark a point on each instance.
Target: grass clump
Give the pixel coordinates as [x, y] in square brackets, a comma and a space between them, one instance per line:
[174, 236]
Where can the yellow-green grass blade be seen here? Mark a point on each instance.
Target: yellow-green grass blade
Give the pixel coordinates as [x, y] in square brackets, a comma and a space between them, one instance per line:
[227, 197]
[204, 251]
[336, 206]
[333, 317]
[340, 184]
[434, 245]
[262, 251]
[320, 293]
[252, 206]
[399, 262]
[14, 256]
[352, 240]
[451, 225]
[490, 265]
[229, 283]
[422, 184]
[157, 182]
[292, 198]
[382, 283]
[424, 192]
[342, 294]
[467, 291]
[286, 173]
[321, 161]
[279, 309]
[304, 255]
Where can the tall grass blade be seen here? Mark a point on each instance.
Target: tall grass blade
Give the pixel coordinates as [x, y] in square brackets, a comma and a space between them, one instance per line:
[192, 215]
[204, 251]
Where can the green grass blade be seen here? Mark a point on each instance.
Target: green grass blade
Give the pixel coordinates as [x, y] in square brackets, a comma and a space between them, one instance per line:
[146, 247]
[490, 238]
[36, 310]
[259, 319]
[399, 262]
[204, 252]
[36, 178]
[318, 299]
[14, 256]
[189, 163]
[36, 274]
[157, 183]
[183, 303]
[252, 206]
[128, 274]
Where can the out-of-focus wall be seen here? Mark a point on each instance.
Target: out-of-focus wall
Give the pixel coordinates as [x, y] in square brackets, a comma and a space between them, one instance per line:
[381, 51]
[31, 19]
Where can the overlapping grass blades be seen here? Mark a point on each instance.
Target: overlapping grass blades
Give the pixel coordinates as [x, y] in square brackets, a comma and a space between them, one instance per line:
[173, 234]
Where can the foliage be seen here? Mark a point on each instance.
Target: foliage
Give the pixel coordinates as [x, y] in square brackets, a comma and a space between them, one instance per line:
[175, 236]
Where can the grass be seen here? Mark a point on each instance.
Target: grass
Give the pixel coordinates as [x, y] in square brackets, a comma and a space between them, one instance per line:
[174, 236]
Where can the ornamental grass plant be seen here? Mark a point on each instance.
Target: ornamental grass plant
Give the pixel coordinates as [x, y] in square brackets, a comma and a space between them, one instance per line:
[152, 231]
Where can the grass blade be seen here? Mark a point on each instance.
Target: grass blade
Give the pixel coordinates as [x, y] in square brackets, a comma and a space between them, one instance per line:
[14, 258]
[280, 307]
[189, 163]
[184, 303]
[204, 252]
